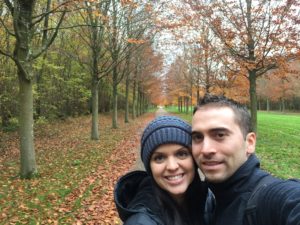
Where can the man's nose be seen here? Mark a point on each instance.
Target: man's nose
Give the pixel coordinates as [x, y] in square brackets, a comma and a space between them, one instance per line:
[208, 146]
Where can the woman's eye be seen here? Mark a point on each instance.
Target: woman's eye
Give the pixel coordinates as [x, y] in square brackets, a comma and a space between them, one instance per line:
[183, 154]
[158, 158]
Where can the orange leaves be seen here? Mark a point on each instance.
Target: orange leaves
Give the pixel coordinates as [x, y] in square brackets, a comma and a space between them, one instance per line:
[135, 41]
[130, 3]
[77, 175]
[125, 2]
[99, 206]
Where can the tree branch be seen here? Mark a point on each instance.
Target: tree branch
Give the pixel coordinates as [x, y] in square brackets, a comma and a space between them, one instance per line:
[9, 6]
[50, 41]
[5, 27]
[7, 54]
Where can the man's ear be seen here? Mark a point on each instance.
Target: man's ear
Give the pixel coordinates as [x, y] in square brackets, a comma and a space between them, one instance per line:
[250, 143]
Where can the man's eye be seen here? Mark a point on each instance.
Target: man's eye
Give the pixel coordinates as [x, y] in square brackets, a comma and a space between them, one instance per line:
[197, 137]
[220, 135]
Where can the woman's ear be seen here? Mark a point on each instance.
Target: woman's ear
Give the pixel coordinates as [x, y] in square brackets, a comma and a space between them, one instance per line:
[250, 143]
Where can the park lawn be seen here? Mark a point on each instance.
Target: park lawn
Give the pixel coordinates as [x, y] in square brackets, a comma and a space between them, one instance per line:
[278, 142]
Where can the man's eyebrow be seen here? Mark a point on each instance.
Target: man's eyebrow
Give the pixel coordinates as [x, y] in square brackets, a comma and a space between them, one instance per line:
[211, 130]
[196, 132]
[219, 129]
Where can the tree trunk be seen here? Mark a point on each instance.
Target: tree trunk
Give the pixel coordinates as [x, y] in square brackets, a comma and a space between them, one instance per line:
[181, 103]
[134, 99]
[115, 99]
[282, 105]
[253, 99]
[198, 94]
[22, 25]
[127, 98]
[28, 163]
[268, 104]
[187, 105]
[95, 110]
[139, 102]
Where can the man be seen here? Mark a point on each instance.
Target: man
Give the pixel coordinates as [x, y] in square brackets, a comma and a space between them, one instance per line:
[223, 146]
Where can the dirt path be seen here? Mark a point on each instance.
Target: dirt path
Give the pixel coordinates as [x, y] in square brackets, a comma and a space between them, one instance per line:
[100, 208]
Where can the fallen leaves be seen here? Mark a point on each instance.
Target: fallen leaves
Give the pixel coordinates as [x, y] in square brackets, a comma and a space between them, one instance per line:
[99, 207]
[77, 175]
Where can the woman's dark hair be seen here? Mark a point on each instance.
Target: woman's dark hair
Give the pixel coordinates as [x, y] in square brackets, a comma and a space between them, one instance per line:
[190, 213]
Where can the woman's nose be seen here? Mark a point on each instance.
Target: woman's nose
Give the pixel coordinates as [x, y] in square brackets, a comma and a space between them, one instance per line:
[172, 164]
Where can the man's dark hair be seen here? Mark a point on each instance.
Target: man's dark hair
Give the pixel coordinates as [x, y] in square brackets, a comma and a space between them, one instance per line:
[242, 115]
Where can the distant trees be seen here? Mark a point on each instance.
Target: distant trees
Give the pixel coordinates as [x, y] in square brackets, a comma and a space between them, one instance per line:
[279, 88]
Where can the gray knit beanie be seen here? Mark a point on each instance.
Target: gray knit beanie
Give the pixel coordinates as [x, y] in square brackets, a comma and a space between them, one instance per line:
[164, 130]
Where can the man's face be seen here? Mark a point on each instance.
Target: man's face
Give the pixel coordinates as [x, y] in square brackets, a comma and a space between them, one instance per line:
[218, 145]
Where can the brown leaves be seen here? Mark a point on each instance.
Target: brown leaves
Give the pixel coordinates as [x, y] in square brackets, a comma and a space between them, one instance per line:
[77, 175]
[100, 205]
[135, 41]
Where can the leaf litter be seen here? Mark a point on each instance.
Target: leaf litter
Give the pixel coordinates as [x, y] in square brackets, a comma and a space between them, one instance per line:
[76, 175]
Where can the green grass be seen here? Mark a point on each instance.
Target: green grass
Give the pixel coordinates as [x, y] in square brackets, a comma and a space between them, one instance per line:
[278, 142]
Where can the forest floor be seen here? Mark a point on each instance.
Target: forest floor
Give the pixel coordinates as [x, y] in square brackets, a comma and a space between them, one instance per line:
[76, 175]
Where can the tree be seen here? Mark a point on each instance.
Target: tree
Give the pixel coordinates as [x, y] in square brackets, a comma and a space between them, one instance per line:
[95, 19]
[256, 34]
[26, 20]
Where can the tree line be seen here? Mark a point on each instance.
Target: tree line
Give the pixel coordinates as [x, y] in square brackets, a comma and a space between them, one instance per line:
[68, 58]
[73, 57]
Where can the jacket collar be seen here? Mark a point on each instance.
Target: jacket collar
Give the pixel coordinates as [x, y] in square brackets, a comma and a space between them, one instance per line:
[238, 182]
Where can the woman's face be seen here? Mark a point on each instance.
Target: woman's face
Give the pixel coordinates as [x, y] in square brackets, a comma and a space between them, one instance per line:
[173, 169]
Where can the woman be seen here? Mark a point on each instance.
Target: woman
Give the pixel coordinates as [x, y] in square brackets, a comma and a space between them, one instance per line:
[170, 191]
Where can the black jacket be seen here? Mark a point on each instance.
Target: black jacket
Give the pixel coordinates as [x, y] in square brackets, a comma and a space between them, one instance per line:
[134, 200]
[136, 203]
[277, 204]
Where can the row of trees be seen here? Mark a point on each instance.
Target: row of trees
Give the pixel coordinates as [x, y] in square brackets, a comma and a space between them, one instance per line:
[66, 58]
[242, 49]
[79, 56]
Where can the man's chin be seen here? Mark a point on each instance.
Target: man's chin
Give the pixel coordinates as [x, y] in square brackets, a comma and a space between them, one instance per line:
[214, 178]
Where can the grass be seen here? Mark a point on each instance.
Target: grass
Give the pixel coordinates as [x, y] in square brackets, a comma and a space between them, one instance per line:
[278, 142]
